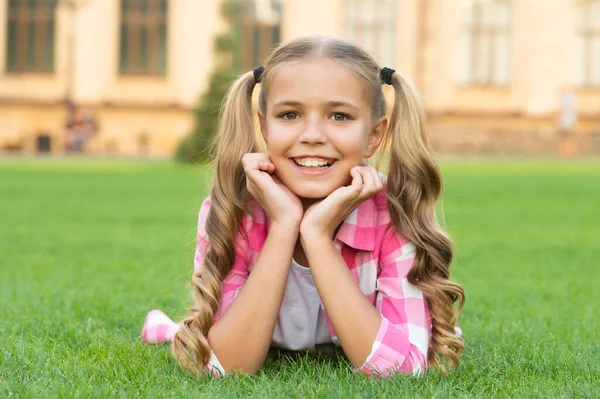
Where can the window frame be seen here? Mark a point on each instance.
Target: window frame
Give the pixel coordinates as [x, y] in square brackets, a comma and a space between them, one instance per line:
[381, 25]
[256, 38]
[143, 38]
[586, 34]
[33, 50]
[479, 41]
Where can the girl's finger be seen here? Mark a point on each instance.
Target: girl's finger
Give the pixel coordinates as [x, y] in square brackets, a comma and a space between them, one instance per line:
[253, 177]
[259, 181]
[254, 157]
[376, 178]
[368, 183]
[256, 163]
[255, 170]
[357, 182]
[371, 186]
[250, 165]
[266, 166]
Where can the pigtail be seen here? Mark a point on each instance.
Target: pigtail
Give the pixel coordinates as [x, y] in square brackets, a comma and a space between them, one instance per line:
[414, 185]
[228, 199]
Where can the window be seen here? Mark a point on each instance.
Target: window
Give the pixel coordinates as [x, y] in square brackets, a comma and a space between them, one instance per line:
[371, 23]
[485, 56]
[143, 47]
[587, 44]
[259, 30]
[30, 36]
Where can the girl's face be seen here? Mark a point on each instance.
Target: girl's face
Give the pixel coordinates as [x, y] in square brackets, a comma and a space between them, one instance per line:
[318, 125]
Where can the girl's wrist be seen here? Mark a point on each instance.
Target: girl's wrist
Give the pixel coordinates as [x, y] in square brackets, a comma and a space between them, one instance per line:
[285, 228]
[312, 230]
[310, 236]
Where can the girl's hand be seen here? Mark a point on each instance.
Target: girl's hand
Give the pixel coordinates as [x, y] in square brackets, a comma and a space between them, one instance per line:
[322, 218]
[280, 204]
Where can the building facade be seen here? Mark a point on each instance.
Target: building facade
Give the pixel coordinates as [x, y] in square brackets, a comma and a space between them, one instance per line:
[494, 75]
[137, 66]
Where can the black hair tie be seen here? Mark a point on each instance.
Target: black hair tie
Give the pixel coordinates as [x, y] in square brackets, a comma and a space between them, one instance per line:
[258, 71]
[386, 75]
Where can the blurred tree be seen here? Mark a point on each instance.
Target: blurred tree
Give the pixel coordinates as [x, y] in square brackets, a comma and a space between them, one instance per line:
[254, 29]
[195, 147]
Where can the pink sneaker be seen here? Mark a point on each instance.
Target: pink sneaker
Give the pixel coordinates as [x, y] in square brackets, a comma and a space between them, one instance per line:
[158, 328]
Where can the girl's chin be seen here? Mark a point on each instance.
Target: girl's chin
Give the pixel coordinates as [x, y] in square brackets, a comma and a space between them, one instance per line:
[309, 188]
[315, 190]
[310, 194]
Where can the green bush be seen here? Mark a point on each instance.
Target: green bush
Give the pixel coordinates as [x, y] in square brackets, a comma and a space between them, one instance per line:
[195, 147]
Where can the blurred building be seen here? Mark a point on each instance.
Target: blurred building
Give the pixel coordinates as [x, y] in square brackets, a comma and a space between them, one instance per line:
[137, 66]
[495, 75]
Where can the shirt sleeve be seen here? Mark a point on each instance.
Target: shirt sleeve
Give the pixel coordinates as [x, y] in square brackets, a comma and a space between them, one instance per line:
[403, 337]
[236, 278]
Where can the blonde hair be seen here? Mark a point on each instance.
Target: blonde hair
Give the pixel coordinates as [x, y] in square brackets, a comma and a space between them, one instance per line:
[413, 186]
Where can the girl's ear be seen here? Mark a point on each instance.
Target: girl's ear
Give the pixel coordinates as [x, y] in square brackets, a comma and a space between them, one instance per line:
[263, 125]
[377, 134]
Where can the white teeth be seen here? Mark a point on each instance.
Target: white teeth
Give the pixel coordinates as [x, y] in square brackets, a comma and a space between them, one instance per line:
[311, 163]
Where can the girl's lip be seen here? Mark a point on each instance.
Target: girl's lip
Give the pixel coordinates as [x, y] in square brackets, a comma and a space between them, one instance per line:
[313, 172]
[326, 159]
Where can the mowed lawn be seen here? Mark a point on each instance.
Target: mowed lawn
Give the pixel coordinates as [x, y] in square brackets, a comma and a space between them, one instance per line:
[88, 247]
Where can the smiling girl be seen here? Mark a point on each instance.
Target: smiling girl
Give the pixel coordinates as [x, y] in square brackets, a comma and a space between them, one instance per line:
[307, 245]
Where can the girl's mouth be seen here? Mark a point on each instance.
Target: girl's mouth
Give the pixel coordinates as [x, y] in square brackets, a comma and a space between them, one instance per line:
[313, 163]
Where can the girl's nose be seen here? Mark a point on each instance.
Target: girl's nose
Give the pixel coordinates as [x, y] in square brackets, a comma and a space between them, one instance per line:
[313, 134]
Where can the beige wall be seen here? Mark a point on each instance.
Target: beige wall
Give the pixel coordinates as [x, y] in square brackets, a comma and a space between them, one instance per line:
[541, 61]
[310, 17]
[543, 52]
[126, 106]
[192, 25]
[160, 107]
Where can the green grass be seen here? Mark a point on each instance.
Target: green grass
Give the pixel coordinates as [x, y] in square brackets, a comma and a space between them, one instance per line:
[88, 247]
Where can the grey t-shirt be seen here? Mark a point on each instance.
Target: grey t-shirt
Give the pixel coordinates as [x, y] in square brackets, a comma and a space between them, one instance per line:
[301, 324]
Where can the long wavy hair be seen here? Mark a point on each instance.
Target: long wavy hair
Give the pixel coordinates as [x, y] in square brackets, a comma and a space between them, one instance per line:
[414, 185]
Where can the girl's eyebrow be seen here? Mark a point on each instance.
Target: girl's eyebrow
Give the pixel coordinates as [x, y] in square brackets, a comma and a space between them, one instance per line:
[287, 103]
[331, 104]
[334, 104]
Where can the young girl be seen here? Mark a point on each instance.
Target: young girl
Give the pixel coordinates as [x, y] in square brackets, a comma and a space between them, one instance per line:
[308, 245]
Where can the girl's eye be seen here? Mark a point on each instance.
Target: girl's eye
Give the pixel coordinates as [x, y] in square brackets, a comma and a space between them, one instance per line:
[290, 116]
[340, 117]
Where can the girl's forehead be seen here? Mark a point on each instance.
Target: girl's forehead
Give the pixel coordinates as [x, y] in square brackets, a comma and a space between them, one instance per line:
[315, 79]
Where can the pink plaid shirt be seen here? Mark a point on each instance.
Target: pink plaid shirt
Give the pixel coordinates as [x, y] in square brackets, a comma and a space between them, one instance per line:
[379, 259]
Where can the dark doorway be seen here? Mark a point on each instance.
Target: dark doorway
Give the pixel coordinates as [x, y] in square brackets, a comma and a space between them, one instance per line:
[43, 143]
